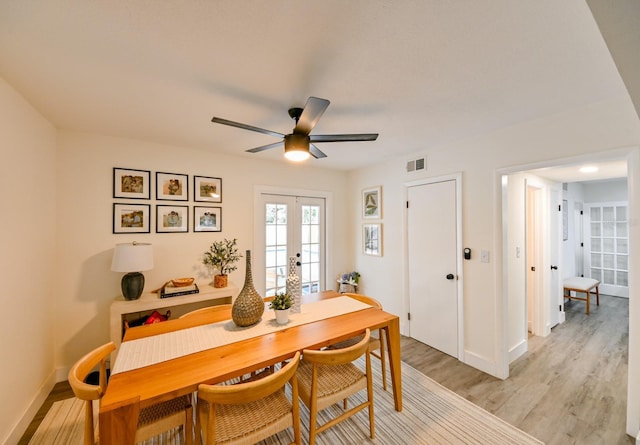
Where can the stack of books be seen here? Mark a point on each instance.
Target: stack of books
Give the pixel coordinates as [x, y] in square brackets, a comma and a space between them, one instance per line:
[169, 290]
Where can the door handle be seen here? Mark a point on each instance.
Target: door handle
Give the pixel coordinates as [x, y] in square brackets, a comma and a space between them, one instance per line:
[554, 267]
[450, 276]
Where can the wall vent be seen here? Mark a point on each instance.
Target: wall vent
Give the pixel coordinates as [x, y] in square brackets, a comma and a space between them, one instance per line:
[415, 165]
[565, 186]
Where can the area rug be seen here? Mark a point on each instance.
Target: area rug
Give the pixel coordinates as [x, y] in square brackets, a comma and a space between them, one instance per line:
[431, 415]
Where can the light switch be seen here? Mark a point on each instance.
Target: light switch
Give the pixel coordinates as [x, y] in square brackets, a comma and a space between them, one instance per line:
[484, 256]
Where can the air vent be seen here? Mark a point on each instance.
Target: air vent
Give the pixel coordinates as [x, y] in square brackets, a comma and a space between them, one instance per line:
[565, 186]
[415, 165]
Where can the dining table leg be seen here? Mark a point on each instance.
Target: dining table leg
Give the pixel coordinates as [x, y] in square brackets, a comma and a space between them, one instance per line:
[118, 426]
[393, 348]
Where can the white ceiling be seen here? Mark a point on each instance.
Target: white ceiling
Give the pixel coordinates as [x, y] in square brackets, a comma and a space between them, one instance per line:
[419, 72]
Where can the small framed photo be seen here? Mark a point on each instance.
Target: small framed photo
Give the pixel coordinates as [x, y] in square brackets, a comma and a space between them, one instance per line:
[133, 184]
[131, 218]
[207, 189]
[207, 219]
[372, 239]
[172, 187]
[170, 219]
[372, 203]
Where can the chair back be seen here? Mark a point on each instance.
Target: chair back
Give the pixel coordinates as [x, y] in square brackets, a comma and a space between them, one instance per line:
[251, 391]
[86, 391]
[338, 356]
[365, 299]
[220, 312]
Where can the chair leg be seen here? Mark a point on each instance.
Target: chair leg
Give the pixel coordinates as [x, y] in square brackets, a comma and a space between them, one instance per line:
[588, 301]
[597, 296]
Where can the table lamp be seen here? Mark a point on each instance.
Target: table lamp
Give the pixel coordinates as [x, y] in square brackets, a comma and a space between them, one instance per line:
[132, 258]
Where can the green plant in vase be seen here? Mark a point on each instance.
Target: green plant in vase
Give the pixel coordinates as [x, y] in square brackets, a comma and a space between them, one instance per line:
[222, 256]
[281, 304]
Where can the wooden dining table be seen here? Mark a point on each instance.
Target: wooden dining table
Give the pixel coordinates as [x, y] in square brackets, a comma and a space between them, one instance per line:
[129, 391]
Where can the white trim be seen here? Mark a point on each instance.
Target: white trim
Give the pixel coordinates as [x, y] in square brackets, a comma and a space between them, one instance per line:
[457, 178]
[518, 350]
[32, 409]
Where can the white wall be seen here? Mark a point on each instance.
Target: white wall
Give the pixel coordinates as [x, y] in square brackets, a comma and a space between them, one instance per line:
[614, 190]
[86, 286]
[27, 263]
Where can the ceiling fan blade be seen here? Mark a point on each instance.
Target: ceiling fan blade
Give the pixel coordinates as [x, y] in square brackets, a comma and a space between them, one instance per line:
[311, 113]
[219, 120]
[343, 137]
[265, 147]
[316, 152]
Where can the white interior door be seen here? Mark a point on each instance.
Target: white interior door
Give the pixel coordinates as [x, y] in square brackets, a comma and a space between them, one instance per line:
[556, 219]
[432, 259]
[292, 226]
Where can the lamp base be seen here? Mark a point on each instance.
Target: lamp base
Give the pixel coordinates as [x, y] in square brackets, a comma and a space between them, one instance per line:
[132, 285]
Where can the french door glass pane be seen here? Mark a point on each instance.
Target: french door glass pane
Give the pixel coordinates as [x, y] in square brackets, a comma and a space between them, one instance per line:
[607, 214]
[595, 214]
[608, 277]
[622, 246]
[608, 245]
[276, 247]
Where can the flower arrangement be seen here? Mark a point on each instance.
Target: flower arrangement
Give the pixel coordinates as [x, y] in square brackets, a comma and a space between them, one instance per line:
[281, 301]
[223, 256]
[350, 278]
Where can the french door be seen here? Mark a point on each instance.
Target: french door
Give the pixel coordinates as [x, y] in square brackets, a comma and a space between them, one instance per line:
[292, 226]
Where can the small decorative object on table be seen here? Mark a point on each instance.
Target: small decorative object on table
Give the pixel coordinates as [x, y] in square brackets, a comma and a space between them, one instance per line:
[348, 282]
[248, 307]
[222, 256]
[281, 305]
[293, 286]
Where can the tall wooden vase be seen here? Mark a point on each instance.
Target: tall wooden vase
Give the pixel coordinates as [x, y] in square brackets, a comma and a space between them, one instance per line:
[248, 307]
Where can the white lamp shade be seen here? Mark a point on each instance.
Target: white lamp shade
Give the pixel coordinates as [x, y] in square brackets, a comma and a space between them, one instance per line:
[132, 257]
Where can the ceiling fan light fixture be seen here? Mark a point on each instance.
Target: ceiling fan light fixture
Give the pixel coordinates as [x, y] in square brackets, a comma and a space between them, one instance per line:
[296, 147]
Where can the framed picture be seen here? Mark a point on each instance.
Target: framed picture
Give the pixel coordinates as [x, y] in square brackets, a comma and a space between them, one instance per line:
[372, 239]
[172, 187]
[207, 219]
[131, 218]
[171, 219]
[134, 184]
[372, 203]
[207, 189]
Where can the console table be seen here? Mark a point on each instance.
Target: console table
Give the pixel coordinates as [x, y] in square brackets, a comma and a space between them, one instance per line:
[125, 310]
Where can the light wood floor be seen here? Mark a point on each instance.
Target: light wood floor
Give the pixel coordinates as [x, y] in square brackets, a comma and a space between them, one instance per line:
[569, 388]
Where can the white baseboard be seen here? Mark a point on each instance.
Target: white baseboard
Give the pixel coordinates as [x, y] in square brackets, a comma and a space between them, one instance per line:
[517, 350]
[31, 411]
[481, 363]
[638, 439]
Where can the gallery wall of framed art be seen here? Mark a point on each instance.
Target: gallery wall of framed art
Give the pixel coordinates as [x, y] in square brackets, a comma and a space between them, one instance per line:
[131, 185]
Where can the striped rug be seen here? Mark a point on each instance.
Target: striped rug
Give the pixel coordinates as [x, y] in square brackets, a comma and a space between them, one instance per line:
[431, 415]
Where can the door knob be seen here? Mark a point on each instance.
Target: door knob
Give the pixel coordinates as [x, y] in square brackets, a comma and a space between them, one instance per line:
[554, 267]
[450, 276]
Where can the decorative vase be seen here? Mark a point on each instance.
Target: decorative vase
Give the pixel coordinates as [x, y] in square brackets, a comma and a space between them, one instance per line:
[282, 316]
[248, 307]
[220, 281]
[293, 285]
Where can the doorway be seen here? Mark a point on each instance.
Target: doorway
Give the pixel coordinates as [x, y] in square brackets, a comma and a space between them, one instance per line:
[434, 263]
[289, 226]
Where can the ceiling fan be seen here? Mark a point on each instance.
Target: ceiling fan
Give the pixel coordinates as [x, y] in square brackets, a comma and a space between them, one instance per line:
[298, 144]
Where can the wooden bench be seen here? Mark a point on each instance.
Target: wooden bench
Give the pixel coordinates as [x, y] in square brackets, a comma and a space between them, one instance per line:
[583, 285]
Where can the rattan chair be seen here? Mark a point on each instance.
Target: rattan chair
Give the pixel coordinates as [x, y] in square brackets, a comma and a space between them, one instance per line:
[377, 343]
[217, 313]
[153, 420]
[249, 412]
[328, 376]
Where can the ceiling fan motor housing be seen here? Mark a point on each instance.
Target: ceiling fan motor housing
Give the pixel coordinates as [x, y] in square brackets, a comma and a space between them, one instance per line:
[296, 142]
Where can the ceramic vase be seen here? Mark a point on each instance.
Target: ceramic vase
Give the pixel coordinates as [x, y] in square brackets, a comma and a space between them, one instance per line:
[282, 316]
[248, 307]
[293, 285]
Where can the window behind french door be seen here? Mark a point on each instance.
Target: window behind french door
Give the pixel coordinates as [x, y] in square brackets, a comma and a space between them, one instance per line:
[294, 226]
[608, 247]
